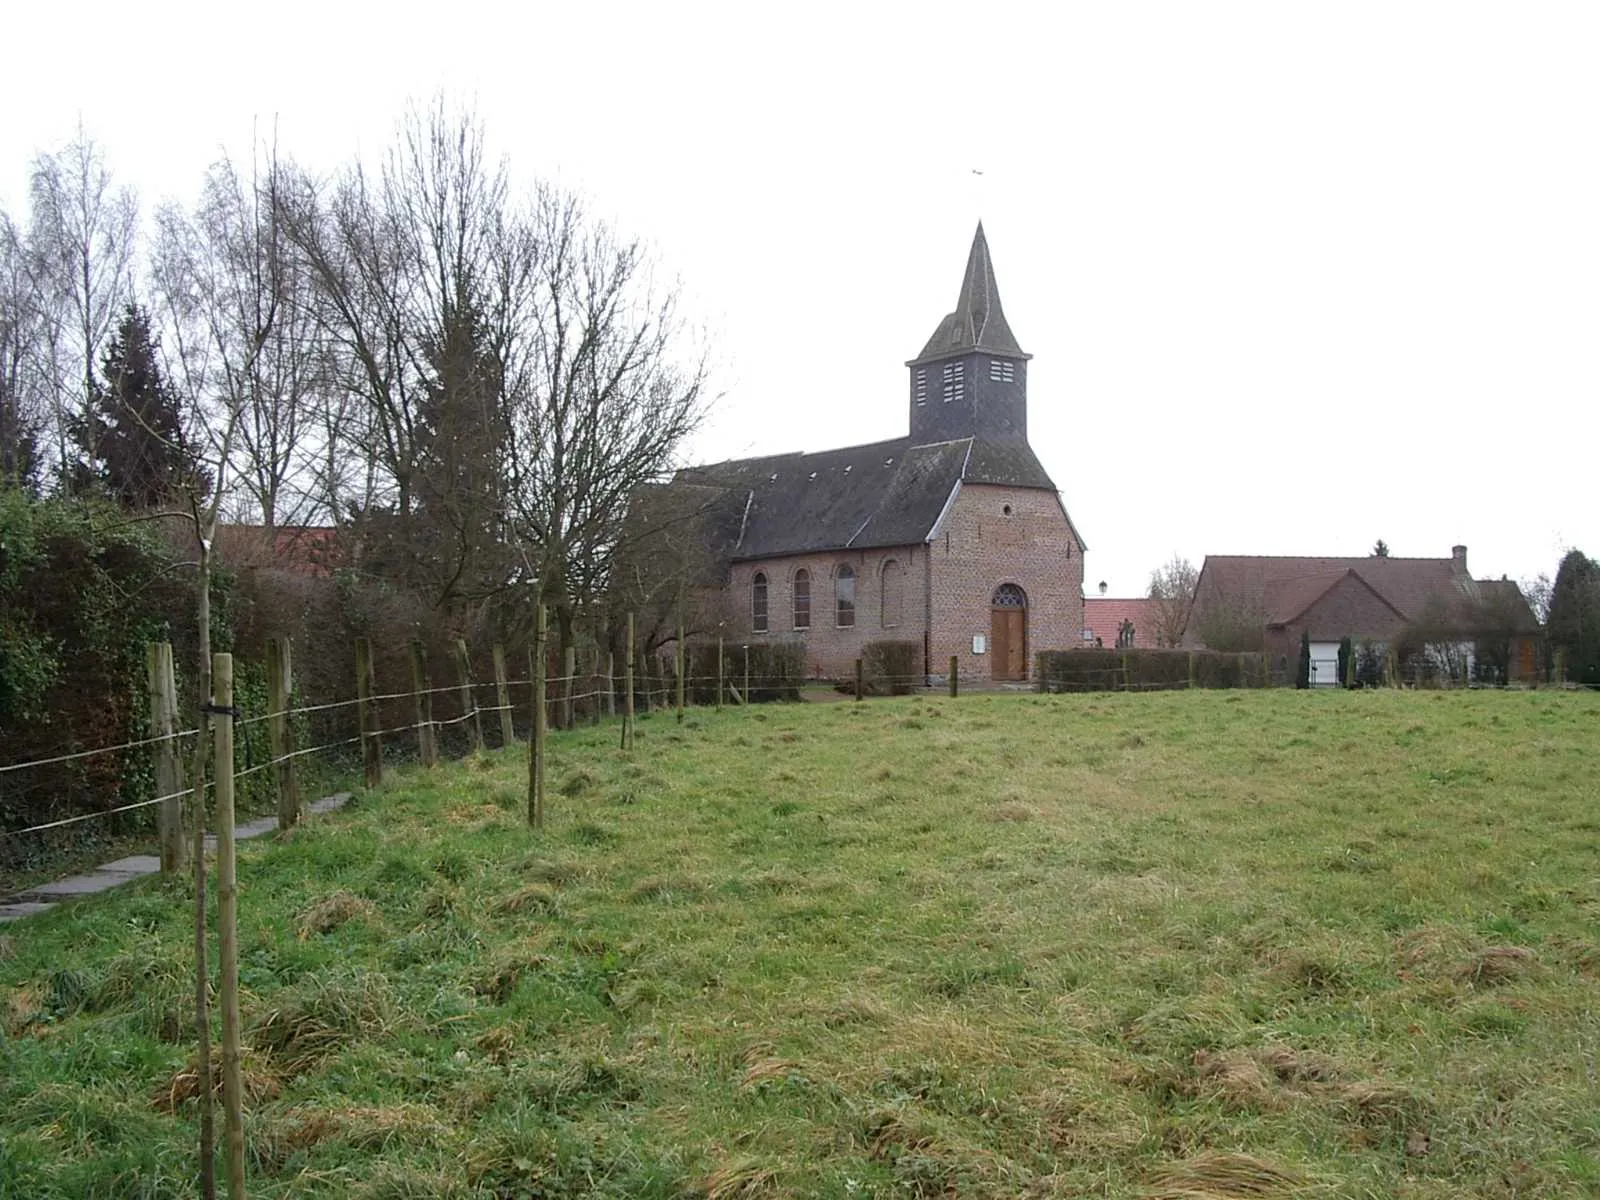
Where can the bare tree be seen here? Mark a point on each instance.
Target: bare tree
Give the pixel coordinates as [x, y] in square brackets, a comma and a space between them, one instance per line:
[422, 274]
[1172, 588]
[82, 239]
[1537, 591]
[21, 421]
[232, 246]
[600, 403]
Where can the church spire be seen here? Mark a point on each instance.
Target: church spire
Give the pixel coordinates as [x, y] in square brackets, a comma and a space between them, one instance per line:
[978, 322]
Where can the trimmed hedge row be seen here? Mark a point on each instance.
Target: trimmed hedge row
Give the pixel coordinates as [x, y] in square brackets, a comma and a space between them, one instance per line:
[1102, 670]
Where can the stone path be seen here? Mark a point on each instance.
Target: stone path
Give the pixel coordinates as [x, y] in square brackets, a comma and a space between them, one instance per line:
[113, 874]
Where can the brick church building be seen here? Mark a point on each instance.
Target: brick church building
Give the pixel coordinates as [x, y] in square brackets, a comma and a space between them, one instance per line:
[952, 537]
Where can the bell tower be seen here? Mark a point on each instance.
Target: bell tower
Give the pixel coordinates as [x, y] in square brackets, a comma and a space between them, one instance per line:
[971, 379]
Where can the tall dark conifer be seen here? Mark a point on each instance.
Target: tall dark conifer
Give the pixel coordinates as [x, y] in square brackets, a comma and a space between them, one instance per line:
[1574, 623]
[134, 432]
[461, 445]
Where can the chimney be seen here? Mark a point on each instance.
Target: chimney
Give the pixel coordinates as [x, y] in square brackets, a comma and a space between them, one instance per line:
[1458, 558]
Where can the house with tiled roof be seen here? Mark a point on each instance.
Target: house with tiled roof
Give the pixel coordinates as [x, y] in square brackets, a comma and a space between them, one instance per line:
[953, 536]
[1116, 622]
[1252, 601]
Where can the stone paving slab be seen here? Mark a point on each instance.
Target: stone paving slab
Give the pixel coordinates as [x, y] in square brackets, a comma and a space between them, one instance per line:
[135, 866]
[76, 885]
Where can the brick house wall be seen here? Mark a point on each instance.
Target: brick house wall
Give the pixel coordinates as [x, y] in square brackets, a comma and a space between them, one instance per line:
[831, 651]
[977, 547]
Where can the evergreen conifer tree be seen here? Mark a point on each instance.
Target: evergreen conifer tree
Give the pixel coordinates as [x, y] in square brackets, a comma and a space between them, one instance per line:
[1574, 624]
[134, 432]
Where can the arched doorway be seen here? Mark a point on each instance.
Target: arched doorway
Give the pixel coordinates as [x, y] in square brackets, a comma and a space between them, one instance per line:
[1008, 633]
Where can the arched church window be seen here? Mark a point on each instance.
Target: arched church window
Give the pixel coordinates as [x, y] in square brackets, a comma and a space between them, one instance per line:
[892, 593]
[1009, 595]
[758, 603]
[802, 599]
[844, 595]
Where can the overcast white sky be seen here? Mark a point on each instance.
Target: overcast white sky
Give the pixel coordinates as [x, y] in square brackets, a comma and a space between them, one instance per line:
[1295, 277]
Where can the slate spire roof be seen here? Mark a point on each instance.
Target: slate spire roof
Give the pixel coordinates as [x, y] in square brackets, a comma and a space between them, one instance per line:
[978, 323]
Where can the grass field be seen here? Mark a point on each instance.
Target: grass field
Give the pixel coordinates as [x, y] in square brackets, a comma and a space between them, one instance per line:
[1204, 944]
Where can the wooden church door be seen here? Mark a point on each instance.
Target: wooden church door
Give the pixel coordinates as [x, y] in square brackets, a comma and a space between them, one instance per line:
[1008, 633]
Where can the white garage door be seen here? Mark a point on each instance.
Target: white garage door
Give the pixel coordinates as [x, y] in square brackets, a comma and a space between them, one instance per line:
[1324, 664]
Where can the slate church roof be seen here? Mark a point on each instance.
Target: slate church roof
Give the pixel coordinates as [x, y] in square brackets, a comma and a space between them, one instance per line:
[882, 494]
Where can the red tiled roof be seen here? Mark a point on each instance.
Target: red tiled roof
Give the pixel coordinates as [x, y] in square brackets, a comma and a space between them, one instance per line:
[1104, 616]
[304, 549]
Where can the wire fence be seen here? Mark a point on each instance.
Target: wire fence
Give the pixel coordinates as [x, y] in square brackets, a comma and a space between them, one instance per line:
[334, 727]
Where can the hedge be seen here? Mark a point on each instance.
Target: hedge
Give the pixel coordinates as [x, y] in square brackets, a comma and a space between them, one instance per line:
[1105, 670]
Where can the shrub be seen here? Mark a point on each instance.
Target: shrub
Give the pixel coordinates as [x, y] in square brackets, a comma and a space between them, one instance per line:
[891, 668]
[1104, 670]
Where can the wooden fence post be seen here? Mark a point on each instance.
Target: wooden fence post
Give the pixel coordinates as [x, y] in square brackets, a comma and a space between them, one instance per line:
[611, 683]
[469, 705]
[371, 745]
[169, 768]
[746, 699]
[719, 672]
[280, 730]
[858, 679]
[536, 732]
[1127, 680]
[569, 673]
[1191, 671]
[955, 663]
[679, 657]
[422, 706]
[502, 696]
[228, 925]
[627, 690]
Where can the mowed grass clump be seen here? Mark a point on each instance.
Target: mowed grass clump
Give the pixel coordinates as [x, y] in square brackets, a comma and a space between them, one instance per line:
[1248, 944]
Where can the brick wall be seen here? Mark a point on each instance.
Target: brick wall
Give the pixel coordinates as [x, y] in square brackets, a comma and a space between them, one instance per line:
[946, 586]
[831, 651]
[980, 546]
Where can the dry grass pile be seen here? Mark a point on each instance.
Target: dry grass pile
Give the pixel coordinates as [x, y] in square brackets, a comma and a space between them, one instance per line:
[1215, 1175]
[742, 1178]
[332, 911]
[321, 1016]
[261, 1082]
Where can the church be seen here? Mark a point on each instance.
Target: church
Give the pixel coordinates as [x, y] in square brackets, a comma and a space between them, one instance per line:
[952, 537]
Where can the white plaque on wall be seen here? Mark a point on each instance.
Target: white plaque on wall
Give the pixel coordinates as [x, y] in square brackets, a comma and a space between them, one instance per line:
[980, 644]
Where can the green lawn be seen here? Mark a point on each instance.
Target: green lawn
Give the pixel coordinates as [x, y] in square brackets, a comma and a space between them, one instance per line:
[1196, 944]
